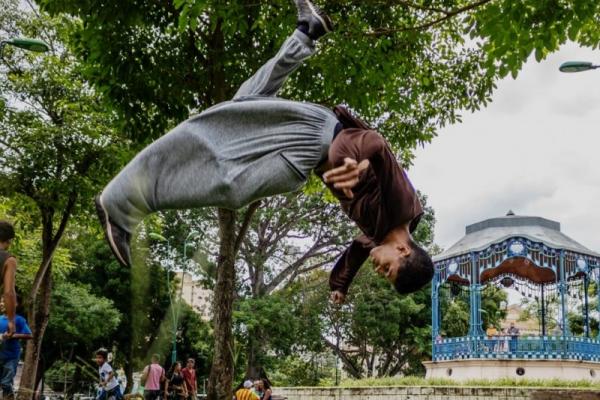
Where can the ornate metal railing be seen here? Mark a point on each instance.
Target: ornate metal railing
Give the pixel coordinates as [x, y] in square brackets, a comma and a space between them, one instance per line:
[506, 347]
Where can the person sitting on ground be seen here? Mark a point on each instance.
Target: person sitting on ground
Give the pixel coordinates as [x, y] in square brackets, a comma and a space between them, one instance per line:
[133, 396]
[246, 393]
[256, 388]
[265, 389]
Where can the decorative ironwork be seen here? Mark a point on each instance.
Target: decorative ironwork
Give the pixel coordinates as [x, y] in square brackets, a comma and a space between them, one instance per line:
[570, 275]
[507, 347]
[507, 281]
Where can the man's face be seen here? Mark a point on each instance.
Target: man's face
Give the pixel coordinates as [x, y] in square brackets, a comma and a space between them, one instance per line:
[99, 359]
[6, 245]
[388, 259]
[190, 364]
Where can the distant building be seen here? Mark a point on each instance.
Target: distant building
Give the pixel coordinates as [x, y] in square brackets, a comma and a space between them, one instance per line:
[195, 295]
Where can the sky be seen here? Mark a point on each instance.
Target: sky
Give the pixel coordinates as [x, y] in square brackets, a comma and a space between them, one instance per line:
[534, 150]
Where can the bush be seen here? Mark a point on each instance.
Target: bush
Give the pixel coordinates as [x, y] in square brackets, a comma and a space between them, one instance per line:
[419, 381]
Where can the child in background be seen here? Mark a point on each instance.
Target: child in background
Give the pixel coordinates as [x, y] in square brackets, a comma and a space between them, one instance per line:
[110, 389]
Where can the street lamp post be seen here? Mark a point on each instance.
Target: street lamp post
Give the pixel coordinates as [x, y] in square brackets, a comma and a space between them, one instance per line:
[28, 44]
[192, 235]
[160, 238]
[577, 66]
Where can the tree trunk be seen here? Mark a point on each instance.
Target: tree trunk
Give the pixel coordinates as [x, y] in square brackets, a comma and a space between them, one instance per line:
[221, 374]
[254, 349]
[350, 367]
[128, 367]
[38, 321]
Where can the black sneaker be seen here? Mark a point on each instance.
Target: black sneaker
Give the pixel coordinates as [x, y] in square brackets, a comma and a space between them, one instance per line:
[315, 21]
[117, 238]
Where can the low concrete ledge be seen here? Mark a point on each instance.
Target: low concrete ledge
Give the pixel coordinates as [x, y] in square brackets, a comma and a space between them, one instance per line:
[492, 369]
[436, 393]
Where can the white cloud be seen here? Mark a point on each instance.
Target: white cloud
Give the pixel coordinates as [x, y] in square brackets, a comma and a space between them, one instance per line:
[533, 150]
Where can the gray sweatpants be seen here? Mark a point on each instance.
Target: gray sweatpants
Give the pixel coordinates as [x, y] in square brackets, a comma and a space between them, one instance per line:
[233, 153]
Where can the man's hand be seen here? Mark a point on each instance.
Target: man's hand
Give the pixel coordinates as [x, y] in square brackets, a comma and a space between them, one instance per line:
[11, 329]
[346, 176]
[337, 297]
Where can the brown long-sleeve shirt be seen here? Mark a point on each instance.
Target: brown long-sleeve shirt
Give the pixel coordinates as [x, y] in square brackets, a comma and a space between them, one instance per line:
[383, 199]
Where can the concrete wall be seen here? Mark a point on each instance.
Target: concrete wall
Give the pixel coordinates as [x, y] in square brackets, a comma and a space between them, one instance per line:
[464, 370]
[435, 393]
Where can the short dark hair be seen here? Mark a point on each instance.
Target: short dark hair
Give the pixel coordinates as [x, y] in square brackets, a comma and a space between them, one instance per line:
[102, 353]
[416, 270]
[7, 232]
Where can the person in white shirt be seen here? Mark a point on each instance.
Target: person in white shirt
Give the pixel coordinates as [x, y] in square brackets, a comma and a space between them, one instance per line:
[110, 389]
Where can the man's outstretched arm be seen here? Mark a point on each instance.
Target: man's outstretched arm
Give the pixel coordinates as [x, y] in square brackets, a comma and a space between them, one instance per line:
[347, 266]
[10, 295]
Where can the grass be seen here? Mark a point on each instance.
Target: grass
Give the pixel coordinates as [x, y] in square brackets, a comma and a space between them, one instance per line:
[419, 381]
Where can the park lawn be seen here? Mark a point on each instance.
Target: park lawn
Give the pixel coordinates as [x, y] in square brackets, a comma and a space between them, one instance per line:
[420, 381]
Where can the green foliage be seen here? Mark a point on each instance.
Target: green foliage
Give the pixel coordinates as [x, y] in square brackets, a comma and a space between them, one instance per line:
[455, 319]
[512, 30]
[58, 142]
[455, 310]
[27, 245]
[405, 67]
[81, 317]
[194, 339]
[382, 325]
[57, 146]
[156, 61]
[507, 382]
[60, 375]
[140, 293]
[297, 371]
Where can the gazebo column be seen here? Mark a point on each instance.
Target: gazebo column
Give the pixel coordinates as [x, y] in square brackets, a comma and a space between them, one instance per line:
[435, 312]
[586, 306]
[563, 296]
[475, 323]
[598, 295]
[543, 298]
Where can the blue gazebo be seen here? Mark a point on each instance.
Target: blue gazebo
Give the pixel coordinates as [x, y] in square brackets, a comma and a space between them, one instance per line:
[533, 256]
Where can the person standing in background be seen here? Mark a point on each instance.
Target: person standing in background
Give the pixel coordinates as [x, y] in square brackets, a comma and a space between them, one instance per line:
[10, 351]
[189, 376]
[8, 268]
[152, 376]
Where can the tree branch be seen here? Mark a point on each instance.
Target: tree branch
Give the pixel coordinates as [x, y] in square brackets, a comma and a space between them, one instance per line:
[245, 224]
[425, 25]
[52, 245]
[295, 265]
[350, 366]
[8, 146]
[410, 4]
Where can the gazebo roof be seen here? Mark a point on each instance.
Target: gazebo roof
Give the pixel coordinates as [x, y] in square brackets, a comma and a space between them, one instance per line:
[482, 234]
